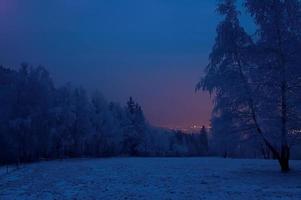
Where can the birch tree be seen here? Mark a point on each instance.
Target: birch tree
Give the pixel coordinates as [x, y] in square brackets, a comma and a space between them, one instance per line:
[257, 79]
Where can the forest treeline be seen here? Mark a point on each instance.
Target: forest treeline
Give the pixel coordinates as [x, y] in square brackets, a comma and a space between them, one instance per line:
[41, 121]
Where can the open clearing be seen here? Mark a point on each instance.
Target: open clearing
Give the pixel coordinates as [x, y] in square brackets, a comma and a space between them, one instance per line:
[152, 178]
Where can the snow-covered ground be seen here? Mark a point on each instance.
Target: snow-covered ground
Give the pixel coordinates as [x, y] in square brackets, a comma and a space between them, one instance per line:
[152, 178]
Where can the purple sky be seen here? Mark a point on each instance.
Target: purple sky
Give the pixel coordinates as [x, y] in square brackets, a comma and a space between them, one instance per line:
[153, 50]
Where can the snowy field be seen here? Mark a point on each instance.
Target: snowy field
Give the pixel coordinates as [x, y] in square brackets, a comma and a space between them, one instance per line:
[152, 178]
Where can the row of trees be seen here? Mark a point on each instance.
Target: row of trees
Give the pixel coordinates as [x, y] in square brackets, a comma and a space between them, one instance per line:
[255, 78]
[40, 121]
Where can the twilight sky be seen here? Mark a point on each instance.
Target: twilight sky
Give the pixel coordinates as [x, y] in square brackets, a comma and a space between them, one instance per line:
[153, 50]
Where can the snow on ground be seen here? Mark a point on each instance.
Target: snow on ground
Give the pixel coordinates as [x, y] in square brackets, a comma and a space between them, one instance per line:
[152, 178]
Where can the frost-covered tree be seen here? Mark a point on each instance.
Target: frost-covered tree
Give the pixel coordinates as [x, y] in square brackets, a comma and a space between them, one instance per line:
[7, 146]
[135, 127]
[81, 128]
[278, 65]
[28, 99]
[256, 80]
[64, 120]
[226, 78]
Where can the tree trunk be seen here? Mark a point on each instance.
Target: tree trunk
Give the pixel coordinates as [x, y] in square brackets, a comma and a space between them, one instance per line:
[284, 158]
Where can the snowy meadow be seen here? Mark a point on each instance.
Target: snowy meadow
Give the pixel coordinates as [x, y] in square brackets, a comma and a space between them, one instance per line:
[152, 178]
